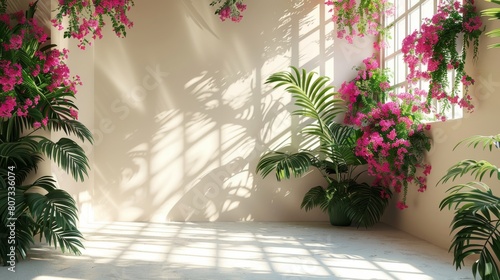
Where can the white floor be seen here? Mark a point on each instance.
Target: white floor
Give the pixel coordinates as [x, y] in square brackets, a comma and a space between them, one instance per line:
[241, 251]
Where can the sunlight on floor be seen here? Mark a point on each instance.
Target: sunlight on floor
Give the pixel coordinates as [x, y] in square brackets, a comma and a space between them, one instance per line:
[55, 278]
[245, 250]
[232, 246]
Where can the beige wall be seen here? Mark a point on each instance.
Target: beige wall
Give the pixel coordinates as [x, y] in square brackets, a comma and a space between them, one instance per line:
[423, 218]
[180, 114]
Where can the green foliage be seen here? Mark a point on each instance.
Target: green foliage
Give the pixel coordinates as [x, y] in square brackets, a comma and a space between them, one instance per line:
[493, 14]
[313, 97]
[67, 154]
[476, 212]
[41, 208]
[367, 203]
[334, 158]
[316, 197]
[285, 164]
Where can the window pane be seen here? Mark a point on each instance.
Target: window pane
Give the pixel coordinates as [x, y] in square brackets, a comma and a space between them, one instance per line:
[400, 69]
[428, 9]
[401, 33]
[389, 64]
[414, 2]
[415, 20]
[400, 8]
[391, 43]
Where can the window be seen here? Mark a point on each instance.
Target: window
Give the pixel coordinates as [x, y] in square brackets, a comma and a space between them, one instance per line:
[408, 17]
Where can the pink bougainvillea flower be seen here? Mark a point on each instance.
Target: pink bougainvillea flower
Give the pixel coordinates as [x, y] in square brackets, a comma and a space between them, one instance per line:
[74, 113]
[7, 106]
[401, 205]
[392, 135]
[431, 52]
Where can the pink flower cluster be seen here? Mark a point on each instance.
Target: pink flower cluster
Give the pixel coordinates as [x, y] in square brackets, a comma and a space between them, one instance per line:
[393, 139]
[361, 19]
[230, 9]
[47, 70]
[86, 18]
[365, 91]
[432, 51]
[7, 106]
[10, 75]
[386, 146]
[22, 107]
[54, 64]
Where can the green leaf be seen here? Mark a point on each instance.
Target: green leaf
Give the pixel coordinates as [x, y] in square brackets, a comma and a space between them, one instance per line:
[71, 127]
[473, 167]
[55, 213]
[316, 196]
[285, 165]
[487, 142]
[314, 98]
[67, 154]
[367, 204]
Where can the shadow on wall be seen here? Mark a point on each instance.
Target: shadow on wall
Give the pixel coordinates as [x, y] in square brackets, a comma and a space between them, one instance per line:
[182, 112]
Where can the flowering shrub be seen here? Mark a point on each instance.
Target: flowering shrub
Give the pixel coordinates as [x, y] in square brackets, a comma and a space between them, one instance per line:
[36, 92]
[361, 19]
[86, 18]
[365, 91]
[393, 140]
[31, 77]
[432, 52]
[230, 9]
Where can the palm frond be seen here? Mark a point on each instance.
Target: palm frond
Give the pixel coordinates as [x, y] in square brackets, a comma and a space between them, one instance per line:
[24, 238]
[313, 97]
[341, 147]
[13, 128]
[68, 239]
[342, 155]
[366, 205]
[67, 154]
[5, 212]
[315, 197]
[475, 226]
[55, 213]
[469, 227]
[343, 134]
[71, 127]
[285, 165]
[55, 206]
[477, 168]
[488, 142]
[493, 14]
[494, 33]
[18, 153]
[473, 196]
[24, 234]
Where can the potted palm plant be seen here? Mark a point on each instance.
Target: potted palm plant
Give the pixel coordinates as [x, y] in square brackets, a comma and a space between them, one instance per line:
[476, 221]
[344, 199]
